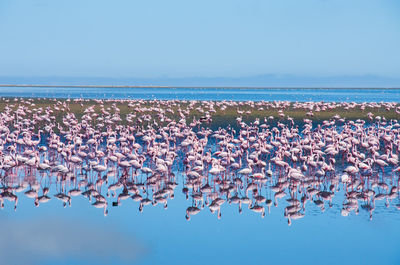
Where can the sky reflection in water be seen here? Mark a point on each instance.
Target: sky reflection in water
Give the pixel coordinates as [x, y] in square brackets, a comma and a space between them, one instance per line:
[80, 234]
[54, 231]
[165, 235]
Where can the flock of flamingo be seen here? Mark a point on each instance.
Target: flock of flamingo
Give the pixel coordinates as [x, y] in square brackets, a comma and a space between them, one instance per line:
[50, 151]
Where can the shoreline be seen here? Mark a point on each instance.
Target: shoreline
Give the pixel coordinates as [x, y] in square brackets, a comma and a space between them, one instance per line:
[193, 87]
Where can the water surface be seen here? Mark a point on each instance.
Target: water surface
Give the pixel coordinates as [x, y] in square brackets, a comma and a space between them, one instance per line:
[81, 234]
[255, 94]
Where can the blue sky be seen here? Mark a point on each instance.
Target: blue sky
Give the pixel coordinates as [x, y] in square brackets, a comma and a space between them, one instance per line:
[229, 38]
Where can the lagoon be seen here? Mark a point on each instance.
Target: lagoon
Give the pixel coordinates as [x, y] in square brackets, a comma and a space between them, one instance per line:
[236, 94]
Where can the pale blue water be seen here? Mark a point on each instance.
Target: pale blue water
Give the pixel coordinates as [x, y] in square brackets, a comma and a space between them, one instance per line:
[257, 94]
[159, 236]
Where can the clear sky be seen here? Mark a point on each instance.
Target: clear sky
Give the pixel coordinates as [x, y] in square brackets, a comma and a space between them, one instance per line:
[208, 38]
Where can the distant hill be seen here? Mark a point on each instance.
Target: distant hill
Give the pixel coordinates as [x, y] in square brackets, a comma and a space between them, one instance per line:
[367, 81]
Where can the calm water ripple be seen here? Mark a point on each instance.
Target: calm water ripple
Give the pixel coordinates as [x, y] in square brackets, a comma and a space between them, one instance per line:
[82, 183]
[237, 94]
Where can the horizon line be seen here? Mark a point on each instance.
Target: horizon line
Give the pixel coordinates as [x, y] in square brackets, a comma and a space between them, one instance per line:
[216, 87]
[221, 87]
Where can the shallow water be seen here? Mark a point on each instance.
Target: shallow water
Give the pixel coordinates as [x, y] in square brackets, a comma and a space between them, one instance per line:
[255, 94]
[81, 234]
[159, 236]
